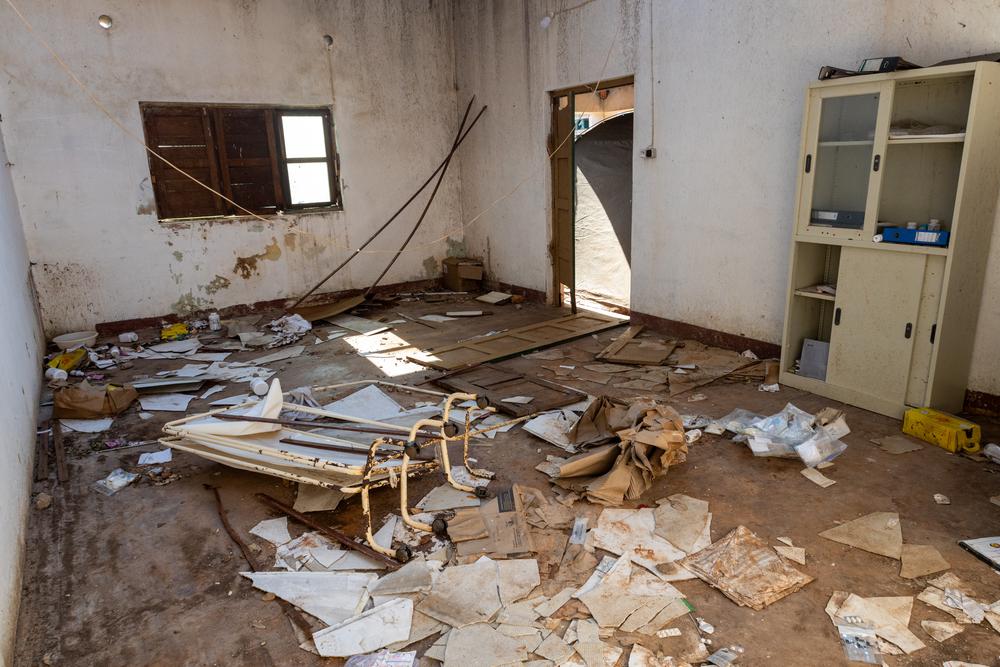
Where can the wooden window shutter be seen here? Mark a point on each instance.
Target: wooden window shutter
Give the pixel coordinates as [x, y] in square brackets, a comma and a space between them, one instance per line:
[183, 135]
[248, 160]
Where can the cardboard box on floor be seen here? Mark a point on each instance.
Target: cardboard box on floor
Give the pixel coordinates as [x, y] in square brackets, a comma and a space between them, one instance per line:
[463, 274]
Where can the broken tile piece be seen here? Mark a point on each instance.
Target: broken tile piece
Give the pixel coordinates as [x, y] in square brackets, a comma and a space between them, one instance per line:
[897, 444]
[379, 626]
[684, 521]
[274, 531]
[941, 630]
[553, 604]
[787, 541]
[464, 594]
[479, 645]
[554, 648]
[516, 578]
[796, 554]
[918, 560]
[331, 597]
[877, 533]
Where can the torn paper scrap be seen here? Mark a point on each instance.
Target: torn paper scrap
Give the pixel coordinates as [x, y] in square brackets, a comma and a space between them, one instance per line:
[153, 458]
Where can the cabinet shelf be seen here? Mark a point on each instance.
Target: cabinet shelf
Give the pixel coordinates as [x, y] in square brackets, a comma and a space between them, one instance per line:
[947, 139]
[802, 291]
[861, 142]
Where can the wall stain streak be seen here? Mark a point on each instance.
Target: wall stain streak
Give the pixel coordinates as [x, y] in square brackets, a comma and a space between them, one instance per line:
[247, 266]
[218, 283]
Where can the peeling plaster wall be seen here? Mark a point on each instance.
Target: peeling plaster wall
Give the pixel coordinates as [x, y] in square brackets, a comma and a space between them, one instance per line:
[100, 253]
[720, 93]
[20, 349]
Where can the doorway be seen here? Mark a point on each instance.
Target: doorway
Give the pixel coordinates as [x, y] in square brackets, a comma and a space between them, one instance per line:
[592, 195]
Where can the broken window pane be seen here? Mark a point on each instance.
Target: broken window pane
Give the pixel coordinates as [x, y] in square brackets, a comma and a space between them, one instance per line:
[304, 137]
[309, 183]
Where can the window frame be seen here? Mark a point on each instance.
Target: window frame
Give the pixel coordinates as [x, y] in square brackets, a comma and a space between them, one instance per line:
[275, 139]
[331, 159]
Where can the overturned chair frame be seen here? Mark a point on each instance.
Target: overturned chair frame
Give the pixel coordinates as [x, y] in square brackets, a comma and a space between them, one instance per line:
[311, 457]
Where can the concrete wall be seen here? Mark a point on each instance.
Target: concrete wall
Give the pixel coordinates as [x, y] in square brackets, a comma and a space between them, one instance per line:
[20, 346]
[100, 253]
[719, 91]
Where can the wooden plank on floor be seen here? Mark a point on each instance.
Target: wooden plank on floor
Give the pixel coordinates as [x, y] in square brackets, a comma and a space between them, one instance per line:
[627, 349]
[516, 341]
[42, 460]
[315, 313]
[497, 384]
[62, 473]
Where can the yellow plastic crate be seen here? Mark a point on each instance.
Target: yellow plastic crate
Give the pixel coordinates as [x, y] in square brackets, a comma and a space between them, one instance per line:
[942, 429]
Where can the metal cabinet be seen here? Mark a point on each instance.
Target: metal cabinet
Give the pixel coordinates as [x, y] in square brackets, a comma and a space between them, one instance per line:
[878, 153]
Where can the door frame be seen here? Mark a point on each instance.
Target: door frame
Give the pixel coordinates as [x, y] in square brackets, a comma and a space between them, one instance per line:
[554, 141]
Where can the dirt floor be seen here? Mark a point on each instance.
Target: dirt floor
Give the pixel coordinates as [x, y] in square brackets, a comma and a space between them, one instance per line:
[148, 576]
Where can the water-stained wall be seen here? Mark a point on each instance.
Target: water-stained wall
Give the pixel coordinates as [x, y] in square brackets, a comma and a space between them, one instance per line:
[99, 252]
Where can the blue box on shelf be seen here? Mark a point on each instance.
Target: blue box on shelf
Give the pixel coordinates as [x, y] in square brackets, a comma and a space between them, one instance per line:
[915, 236]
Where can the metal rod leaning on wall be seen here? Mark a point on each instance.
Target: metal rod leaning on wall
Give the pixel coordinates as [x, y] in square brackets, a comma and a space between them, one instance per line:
[458, 142]
[423, 214]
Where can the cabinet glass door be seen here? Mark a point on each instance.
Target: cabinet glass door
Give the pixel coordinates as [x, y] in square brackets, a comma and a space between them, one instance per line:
[842, 163]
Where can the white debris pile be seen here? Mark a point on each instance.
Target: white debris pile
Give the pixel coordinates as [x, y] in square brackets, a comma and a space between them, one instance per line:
[791, 433]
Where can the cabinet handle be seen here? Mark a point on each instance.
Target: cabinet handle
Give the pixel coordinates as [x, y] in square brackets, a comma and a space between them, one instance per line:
[809, 162]
[877, 162]
[933, 332]
[909, 330]
[836, 317]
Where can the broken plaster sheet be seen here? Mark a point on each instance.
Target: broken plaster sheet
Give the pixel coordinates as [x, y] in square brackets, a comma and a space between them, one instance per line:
[516, 578]
[87, 425]
[446, 497]
[234, 371]
[312, 498]
[368, 403]
[358, 324]
[746, 570]
[155, 458]
[554, 603]
[887, 621]
[622, 591]
[268, 408]
[175, 346]
[479, 645]
[554, 648]
[464, 594]
[897, 444]
[185, 371]
[463, 476]
[518, 400]
[282, 354]
[165, 402]
[918, 560]
[380, 626]
[238, 399]
[554, 428]
[683, 521]
[877, 533]
[794, 554]
[628, 531]
[494, 298]
[214, 389]
[331, 597]
[416, 576]
[941, 630]
[314, 552]
[274, 531]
